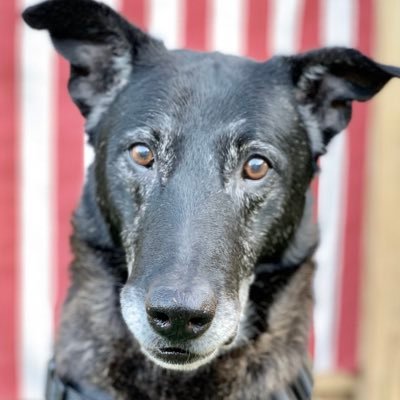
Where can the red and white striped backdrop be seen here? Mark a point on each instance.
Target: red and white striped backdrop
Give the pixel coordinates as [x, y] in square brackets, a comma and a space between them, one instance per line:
[42, 159]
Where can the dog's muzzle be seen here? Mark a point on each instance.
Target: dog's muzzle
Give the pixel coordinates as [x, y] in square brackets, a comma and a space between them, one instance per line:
[177, 327]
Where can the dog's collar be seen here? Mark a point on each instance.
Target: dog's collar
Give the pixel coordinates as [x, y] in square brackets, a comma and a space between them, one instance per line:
[56, 389]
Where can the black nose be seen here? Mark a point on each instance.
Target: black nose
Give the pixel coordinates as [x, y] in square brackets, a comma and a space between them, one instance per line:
[180, 314]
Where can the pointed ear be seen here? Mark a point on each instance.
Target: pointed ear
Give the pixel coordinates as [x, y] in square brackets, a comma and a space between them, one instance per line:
[326, 82]
[100, 45]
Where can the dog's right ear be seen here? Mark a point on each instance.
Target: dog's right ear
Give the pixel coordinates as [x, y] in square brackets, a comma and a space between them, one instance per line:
[327, 81]
[101, 46]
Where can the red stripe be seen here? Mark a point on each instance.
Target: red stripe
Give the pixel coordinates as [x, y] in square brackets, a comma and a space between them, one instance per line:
[195, 34]
[310, 38]
[137, 11]
[310, 32]
[349, 311]
[9, 180]
[257, 35]
[68, 178]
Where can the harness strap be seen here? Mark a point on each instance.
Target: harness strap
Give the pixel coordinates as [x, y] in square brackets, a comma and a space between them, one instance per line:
[56, 389]
[300, 389]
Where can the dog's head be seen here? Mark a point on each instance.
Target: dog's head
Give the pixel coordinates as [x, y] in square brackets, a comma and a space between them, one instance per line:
[203, 162]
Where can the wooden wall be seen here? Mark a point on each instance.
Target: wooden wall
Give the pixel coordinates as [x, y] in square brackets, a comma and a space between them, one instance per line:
[380, 341]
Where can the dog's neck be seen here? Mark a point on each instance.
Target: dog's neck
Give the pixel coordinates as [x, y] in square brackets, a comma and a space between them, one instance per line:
[96, 349]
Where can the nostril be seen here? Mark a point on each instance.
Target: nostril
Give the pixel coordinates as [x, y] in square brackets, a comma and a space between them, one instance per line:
[197, 325]
[200, 321]
[159, 318]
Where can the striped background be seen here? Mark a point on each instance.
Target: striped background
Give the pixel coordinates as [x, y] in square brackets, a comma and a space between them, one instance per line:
[43, 155]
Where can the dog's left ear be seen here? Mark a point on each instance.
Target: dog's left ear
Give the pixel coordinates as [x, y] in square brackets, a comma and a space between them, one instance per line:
[101, 46]
[327, 81]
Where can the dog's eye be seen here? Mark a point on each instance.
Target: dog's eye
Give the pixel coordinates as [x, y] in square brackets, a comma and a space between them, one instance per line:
[255, 168]
[142, 155]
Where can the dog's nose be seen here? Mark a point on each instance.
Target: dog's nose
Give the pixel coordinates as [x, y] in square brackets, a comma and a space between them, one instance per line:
[180, 314]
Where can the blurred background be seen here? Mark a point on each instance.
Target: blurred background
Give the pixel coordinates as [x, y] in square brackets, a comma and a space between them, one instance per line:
[356, 338]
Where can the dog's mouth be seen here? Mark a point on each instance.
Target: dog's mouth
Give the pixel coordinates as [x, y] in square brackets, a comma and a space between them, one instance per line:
[178, 358]
[175, 355]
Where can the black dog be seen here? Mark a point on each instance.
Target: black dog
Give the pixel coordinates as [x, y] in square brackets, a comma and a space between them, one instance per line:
[193, 241]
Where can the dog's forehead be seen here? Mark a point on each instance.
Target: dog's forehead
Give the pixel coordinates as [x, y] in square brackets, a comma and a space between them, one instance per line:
[207, 94]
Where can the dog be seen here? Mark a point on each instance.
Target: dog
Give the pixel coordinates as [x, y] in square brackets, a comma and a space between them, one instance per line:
[193, 240]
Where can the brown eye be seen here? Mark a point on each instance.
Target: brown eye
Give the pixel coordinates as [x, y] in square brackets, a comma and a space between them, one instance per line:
[142, 155]
[255, 168]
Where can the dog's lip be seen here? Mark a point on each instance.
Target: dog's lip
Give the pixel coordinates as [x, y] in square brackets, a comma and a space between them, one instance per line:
[177, 355]
[173, 350]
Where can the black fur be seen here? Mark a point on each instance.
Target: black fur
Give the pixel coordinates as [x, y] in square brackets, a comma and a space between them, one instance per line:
[188, 263]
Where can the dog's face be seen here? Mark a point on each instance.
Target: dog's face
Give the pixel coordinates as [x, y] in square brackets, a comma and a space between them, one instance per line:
[202, 166]
[200, 174]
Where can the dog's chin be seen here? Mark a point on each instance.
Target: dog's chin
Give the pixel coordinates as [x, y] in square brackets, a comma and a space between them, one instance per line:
[178, 359]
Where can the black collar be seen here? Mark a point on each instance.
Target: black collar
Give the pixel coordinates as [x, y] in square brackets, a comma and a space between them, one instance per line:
[56, 389]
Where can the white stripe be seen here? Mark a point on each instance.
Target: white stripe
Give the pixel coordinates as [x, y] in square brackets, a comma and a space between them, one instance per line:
[337, 22]
[115, 4]
[37, 212]
[340, 24]
[228, 26]
[166, 21]
[285, 25]
[88, 155]
[329, 254]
